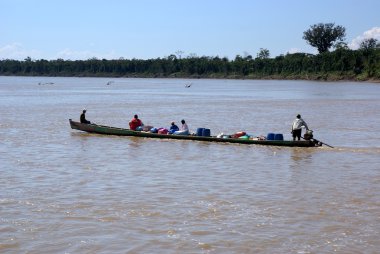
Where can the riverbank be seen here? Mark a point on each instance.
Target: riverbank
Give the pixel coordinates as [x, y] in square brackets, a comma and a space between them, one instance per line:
[338, 65]
[328, 77]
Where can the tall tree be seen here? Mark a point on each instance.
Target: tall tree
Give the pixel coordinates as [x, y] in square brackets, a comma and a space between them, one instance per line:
[368, 47]
[322, 36]
[263, 54]
[368, 44]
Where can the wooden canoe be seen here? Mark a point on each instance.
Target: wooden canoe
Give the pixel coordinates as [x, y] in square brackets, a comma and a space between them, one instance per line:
[108, 130]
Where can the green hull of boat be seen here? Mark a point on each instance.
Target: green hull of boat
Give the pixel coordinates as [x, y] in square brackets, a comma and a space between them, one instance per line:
[108, 130]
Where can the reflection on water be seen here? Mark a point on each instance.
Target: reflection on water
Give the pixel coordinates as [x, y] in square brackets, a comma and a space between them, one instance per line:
[72, 192]
[302, 156]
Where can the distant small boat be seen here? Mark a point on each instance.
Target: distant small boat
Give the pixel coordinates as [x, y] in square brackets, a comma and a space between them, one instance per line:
[110, 82]
[188, 85]
[108, 130]
[45, 83]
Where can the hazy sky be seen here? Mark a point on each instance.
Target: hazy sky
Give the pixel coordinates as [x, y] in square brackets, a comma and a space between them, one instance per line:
[143, 29]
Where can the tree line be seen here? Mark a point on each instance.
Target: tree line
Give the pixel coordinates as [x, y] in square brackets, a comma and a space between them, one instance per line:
[342, 63]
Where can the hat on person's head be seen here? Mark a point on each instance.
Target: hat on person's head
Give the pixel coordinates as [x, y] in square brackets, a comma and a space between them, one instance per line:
[298, 116]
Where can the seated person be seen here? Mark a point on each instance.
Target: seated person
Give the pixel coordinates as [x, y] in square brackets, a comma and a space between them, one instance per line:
[83, 117]
[184, 129]
[173, 128]
[135, 122]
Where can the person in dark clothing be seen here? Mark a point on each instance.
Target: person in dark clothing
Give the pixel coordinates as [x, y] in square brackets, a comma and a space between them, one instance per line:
[83, 117]
[173, 128]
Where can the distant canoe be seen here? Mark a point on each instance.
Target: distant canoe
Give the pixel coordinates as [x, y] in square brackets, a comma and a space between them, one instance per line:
[108, 130]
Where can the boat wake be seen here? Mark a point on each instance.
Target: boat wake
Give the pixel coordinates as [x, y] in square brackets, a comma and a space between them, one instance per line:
[364, 150]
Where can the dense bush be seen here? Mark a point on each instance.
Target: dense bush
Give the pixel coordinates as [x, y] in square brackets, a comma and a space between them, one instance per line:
[342, 63]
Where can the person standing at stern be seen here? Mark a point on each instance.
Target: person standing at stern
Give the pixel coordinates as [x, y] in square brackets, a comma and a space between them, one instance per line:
[297, 126]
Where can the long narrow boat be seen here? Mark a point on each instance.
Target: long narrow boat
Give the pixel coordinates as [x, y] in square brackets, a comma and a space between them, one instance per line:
[108, 130]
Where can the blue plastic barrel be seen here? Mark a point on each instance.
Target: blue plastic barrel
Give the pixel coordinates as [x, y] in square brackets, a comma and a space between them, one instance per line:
[154, 130]
[270, 136]
[278, 136]
[200, 131]
[206, 133]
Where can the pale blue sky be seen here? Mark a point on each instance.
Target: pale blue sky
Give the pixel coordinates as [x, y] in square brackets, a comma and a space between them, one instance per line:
[143, 29]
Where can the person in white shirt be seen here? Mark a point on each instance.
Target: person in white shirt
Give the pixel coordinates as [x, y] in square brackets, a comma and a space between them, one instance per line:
[184, 129]
[297, 126]
[184, 126]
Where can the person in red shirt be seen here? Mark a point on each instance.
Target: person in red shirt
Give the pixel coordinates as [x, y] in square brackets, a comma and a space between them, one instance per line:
[135, 122]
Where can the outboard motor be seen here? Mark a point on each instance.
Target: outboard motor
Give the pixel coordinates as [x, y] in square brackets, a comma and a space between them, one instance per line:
[308, 135]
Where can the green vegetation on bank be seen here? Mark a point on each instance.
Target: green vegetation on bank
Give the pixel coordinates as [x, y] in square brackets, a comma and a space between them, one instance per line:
[341, 64]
